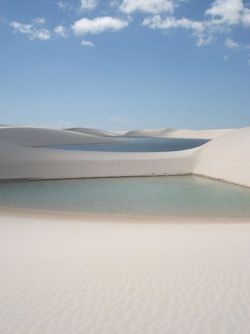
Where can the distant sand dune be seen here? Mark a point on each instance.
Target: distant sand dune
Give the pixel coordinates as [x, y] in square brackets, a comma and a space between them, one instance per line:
[96, 132]
[32, 136]
[178, 133]
[226, 156]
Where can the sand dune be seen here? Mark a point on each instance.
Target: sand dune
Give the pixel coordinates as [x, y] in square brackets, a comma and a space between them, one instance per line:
[161, 133]
[41, 163]
[225, 157]
[66, 276]
[178, 133]
[96, 132]
[35, 136]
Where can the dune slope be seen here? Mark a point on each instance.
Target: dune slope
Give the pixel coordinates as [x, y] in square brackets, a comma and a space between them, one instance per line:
[32, 136]
[177, 133]
[226, 157]
[96, 132]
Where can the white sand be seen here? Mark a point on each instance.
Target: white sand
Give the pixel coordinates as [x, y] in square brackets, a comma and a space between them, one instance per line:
[20, 160]
[226, 156]
[35, 136]
[96, 132]
[178, 133]
[71, 276]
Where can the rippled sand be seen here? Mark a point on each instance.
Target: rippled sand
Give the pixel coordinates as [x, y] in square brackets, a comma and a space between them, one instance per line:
[73, 276]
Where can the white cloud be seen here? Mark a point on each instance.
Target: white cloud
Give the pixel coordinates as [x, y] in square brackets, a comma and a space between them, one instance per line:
[33, 30]
[147, 6]
[64, 5]
[219, 18]
[61, 4]
[231, 44]
[61, 31]
[39, 20]
[98, 25]
[228, 12]
[157, 22]
[87, 43]
[246, 17]
[223, 15]
[88, 4]
[114, 3]
[197, 27]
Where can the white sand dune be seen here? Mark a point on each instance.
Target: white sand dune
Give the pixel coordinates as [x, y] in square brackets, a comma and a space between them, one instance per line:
[225, 157]
[35, 136]
[160, 133]
[71, 276]
[96, 132]
[67, 275]
[41, 163]
[178, 133]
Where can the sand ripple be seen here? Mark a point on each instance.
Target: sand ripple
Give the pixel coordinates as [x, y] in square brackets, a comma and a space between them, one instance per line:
[123, 278]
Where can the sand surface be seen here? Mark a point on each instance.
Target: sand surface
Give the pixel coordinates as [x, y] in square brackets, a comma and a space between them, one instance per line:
[178, 133]
[69, 276]
[226, 156]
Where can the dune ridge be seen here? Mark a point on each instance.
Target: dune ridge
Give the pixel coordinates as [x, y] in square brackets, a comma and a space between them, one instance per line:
[178, 133]
[225, 157]
[96, 132]
[35, 136]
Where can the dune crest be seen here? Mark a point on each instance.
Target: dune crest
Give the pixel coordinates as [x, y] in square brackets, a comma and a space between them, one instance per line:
[95, 132]
[178, 133]
[36, 136]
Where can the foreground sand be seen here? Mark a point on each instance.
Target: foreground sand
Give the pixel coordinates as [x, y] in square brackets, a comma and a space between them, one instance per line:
[84, 275]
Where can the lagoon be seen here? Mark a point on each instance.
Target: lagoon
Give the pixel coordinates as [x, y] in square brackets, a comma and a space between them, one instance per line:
[155, 196]
[136, 144]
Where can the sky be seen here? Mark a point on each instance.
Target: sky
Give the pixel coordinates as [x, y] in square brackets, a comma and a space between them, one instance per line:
[125, 64]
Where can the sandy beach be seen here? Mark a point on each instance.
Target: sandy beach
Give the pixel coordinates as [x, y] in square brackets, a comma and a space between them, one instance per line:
[86, 275]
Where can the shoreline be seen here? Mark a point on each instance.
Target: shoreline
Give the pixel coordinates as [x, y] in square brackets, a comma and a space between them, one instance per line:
[103, 217]
[13, 180]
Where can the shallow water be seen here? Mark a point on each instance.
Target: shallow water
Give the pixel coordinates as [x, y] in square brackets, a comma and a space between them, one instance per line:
[136, 144]
[164, 195]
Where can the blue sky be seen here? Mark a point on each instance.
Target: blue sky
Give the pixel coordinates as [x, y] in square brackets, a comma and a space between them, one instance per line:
[124, 64]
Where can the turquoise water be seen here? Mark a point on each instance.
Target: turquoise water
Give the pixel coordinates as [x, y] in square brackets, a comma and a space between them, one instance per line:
[167, 195]
[137, 144]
